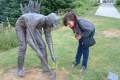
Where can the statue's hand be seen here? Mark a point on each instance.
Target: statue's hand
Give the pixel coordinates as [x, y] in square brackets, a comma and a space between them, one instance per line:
[53, 58]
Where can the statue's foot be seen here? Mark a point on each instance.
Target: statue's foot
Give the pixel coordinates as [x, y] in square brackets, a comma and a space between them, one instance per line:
[53, 76]
[20, 73]
[45, 70]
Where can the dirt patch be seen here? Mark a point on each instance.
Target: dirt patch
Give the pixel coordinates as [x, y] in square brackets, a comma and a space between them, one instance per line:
[62, 74]
[33, 74]
[111, 33]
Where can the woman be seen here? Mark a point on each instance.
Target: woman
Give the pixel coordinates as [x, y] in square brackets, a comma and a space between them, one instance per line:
[84, 32]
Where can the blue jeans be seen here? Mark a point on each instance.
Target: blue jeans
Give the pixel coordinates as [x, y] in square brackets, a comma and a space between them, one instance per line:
[82, 51]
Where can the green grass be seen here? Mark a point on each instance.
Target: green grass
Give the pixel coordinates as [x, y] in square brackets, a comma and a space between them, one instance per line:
[104, 56]
[8, 40]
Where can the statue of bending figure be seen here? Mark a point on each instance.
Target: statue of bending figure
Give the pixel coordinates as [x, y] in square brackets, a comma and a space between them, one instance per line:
[29, 27]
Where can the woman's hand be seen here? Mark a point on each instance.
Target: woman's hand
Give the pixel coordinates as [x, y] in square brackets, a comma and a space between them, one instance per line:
[78, 36]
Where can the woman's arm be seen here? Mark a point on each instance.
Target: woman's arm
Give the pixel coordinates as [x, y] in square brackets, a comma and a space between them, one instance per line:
[86, 33]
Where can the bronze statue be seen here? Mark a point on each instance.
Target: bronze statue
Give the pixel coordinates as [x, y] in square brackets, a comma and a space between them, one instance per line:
[29, 27]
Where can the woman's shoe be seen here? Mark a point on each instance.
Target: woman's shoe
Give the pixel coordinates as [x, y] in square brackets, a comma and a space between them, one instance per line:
[74, 64]
[83, 69]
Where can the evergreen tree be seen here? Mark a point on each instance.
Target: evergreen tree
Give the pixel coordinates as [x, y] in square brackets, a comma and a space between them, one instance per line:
[118, 2]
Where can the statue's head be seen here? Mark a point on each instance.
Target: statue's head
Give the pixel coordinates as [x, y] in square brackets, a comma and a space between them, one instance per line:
[52, 20]
[31, 7]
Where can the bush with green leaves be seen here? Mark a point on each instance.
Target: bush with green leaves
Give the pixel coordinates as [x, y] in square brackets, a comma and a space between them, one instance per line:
[83, 6]
[55, 5]
[118, 2]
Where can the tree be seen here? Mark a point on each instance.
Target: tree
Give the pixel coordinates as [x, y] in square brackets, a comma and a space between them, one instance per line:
[10, 9]
[48, 6]
[118, 2]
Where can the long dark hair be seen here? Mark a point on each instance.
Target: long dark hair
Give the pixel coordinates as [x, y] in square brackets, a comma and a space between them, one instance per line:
[70, 16]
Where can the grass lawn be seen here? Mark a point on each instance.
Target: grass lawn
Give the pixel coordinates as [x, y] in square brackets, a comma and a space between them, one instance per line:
[104, 56]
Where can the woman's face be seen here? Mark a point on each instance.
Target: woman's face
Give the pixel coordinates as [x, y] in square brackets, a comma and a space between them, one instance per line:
[71, 24]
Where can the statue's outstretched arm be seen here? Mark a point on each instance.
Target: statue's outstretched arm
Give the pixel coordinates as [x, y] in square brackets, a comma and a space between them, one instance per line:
[47, 32]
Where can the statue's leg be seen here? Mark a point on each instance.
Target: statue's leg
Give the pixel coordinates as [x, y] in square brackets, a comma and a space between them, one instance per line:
[34, 44]
[21, 34]
[42, 48]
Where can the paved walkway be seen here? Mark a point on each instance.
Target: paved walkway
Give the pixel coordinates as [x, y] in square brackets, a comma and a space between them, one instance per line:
[108, 10]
